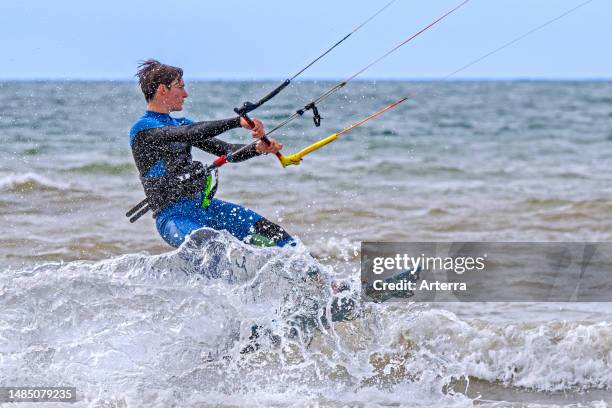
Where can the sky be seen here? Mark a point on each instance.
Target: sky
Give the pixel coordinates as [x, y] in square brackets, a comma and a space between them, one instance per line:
[273, 39]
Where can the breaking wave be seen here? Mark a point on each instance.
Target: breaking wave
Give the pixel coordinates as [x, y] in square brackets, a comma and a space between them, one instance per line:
[31, 182]
[221, 322]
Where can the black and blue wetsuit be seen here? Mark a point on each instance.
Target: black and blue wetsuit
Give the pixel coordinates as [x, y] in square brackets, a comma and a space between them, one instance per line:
[161, 146]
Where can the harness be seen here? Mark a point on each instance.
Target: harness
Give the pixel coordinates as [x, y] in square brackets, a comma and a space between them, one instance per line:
[166, 190]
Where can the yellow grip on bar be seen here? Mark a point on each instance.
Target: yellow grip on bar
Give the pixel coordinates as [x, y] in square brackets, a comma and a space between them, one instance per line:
[296, 158]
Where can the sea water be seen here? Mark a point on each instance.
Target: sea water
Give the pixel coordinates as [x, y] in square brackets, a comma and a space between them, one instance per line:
[89, 300]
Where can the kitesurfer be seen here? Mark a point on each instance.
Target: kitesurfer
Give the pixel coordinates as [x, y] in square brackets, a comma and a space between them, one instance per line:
[179, 190]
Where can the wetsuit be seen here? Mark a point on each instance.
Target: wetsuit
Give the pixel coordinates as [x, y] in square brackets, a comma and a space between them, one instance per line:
[161, 146]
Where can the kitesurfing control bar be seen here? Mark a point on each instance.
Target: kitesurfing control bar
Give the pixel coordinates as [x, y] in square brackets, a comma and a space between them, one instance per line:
[250, 106]
[263, 138]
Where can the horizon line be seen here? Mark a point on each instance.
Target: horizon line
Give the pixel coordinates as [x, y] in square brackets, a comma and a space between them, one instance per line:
[330, 79]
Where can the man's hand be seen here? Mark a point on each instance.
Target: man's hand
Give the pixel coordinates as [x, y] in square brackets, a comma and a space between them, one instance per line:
[258, 129]
[258, 133]
[263, 147]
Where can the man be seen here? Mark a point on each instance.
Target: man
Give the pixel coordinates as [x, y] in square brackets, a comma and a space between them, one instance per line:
[178, 189]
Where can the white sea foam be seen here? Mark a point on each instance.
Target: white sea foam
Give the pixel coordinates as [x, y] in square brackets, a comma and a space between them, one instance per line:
[31, 182]
[546, 356]
[336, 248]
[169, 329]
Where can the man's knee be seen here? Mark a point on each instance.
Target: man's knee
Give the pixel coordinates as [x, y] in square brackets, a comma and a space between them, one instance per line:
[267, 233]
[175, 231]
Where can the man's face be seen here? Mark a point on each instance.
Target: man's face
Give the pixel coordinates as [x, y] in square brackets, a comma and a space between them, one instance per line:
[175, 95]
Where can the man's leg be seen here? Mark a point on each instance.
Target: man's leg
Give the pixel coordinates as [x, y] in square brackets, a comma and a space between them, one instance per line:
[266, 233]
[175, 229]
[242, 222]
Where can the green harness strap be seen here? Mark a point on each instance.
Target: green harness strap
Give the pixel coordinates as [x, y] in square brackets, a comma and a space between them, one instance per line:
[206, 193]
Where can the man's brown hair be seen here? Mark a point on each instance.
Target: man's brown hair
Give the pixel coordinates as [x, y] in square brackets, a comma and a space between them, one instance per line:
[152, 73]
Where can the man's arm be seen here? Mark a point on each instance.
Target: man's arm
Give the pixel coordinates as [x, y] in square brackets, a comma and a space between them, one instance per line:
[219, 148]
[194, 134]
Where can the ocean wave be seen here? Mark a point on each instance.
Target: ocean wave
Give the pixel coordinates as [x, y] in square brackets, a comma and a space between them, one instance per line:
[383, 132]
[606, 100]
[545, 356]
[104, 168]
[546, 202]
[35, 150]
[335, 248]
[159, 318]
[456, 124]
[581, 207]
[386, 167]
[437, 212]
[31, 182]
[218, 320]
